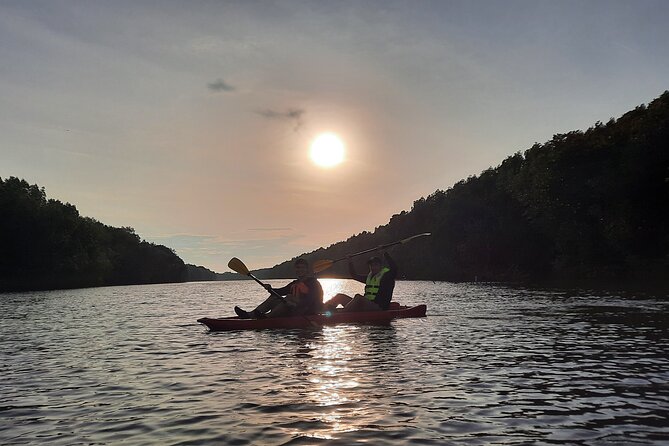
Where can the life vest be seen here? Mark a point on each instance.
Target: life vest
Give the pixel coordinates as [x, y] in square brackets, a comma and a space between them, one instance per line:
[308, 299]
[299, 289]
[373, 283]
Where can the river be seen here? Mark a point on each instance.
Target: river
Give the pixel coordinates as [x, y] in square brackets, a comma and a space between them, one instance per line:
[488, 365]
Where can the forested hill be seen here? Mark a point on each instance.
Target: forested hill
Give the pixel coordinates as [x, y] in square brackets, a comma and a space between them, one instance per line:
[45, 244]
[584, 205]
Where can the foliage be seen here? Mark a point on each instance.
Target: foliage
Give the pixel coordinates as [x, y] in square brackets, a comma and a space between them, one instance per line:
[198, 273]
[584, 205]
[45, 244]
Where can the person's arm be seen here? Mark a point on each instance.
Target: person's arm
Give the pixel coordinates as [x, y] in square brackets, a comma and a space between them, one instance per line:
[283, 291]
[392, 266]
[354, 274]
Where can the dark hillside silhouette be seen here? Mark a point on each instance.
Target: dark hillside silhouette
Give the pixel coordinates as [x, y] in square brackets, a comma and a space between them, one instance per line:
[590, 205]
[45, 244]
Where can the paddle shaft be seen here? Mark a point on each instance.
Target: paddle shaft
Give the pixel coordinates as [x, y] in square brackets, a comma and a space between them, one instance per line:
[263, 285]
[388, 245]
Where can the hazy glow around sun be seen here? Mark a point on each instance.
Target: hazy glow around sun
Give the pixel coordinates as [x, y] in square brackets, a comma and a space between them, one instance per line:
[327, 150]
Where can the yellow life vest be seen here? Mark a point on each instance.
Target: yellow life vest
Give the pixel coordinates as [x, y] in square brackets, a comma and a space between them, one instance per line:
[373, 283]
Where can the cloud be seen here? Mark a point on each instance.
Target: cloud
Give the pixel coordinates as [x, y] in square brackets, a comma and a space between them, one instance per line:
[295, 115]
[220, 85]
[270, 229]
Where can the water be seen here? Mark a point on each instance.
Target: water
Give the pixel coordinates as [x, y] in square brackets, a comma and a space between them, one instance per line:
[489, 365]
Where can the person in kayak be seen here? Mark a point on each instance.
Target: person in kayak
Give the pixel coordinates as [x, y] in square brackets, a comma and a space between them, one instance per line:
[379, 286]
[304, 296]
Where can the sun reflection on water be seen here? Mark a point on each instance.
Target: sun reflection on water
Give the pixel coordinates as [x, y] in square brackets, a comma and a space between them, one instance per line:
[331, 287]
[332, 390]
[335, 386]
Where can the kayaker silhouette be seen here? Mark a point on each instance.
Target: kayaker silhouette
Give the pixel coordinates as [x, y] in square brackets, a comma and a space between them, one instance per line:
[304, 296]
[379, 285]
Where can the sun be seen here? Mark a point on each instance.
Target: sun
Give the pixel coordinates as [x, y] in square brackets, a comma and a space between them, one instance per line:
[327, 150]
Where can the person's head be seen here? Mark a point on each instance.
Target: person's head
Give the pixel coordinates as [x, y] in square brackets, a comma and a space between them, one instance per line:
[301, 267]
[374, 264]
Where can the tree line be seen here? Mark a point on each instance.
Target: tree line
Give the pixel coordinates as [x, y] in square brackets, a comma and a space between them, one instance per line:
[46, 244]
[586, 205]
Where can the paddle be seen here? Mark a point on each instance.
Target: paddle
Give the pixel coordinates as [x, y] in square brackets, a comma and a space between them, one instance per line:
[238, 266]
[322, 265]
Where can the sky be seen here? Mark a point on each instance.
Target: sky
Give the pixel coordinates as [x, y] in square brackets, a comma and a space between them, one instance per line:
[192, 121]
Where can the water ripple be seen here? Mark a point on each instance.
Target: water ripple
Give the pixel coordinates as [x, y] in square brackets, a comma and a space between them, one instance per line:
[490, 365]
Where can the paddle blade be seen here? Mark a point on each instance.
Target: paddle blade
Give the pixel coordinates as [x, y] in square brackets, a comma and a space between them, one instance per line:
[238, 266]
[321, 265]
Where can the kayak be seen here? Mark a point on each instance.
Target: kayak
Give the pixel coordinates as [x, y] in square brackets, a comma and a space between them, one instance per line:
[315, 320]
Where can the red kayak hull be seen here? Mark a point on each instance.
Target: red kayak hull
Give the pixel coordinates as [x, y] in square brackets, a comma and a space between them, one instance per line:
[316, 320]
